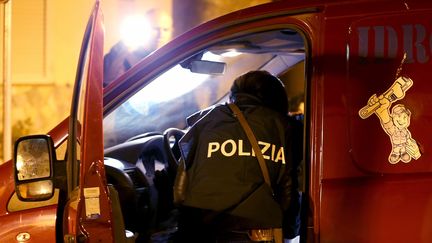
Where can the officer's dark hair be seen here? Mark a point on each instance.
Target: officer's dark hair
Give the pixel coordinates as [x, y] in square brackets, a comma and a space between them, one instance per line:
[261, 85]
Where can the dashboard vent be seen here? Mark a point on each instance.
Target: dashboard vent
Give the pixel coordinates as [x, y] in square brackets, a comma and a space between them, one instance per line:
[137, 178]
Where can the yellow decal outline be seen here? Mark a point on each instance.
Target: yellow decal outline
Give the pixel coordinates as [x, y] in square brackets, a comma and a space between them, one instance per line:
[396, 122]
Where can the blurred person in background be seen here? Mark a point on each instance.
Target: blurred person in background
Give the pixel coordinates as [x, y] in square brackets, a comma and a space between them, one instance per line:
[296, 109]
[141, 35]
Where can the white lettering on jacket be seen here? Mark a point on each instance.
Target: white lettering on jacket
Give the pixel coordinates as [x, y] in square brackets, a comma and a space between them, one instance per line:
[230, 148]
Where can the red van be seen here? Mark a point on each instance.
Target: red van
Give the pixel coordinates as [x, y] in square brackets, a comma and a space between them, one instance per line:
[362, 68]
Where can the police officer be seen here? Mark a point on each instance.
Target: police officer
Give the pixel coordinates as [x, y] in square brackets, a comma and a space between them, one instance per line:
[226, 197]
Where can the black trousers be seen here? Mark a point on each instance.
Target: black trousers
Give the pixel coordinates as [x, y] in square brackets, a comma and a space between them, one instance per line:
[202, 226]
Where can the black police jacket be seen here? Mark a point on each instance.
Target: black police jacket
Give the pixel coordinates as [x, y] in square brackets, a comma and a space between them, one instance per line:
[224, 175]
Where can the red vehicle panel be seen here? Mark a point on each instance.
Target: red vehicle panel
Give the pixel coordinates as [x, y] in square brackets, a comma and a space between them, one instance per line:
[362, 68]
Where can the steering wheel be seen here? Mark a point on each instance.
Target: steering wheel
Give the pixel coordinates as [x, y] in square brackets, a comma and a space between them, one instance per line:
[171, 145]
[147, 134]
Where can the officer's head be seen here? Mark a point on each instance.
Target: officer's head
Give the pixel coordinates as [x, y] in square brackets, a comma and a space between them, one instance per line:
[263, 86]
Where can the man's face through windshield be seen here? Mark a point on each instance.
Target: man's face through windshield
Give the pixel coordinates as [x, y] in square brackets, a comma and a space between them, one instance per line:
[161, 24]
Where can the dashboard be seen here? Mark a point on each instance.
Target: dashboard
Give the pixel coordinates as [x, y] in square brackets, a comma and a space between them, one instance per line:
[142, 170]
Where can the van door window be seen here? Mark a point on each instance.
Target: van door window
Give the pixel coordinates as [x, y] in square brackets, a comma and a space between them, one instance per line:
[180, 91]
[77, 114]
[133, 138]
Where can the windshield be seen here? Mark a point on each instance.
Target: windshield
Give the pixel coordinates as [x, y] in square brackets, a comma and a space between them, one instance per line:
[195, 84]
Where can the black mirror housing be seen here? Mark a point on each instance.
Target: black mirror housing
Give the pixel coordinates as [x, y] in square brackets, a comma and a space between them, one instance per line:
[207, 67]
[33, 167]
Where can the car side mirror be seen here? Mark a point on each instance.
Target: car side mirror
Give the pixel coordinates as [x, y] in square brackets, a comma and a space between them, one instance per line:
[33, 167]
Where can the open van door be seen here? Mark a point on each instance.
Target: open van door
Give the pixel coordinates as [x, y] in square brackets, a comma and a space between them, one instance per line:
[87, 210]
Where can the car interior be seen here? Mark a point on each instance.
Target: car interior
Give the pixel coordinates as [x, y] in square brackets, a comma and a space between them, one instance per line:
[141, 135]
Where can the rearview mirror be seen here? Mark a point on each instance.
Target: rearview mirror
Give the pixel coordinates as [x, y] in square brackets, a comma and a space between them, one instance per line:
[196, 65]
[33, 158]
[207, 67]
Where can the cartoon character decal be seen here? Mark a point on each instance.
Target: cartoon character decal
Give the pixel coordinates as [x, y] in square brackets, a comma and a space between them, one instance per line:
[396, 122]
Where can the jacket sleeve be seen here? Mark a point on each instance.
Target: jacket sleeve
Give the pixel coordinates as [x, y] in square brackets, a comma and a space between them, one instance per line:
[288, 187]
[188, 144]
